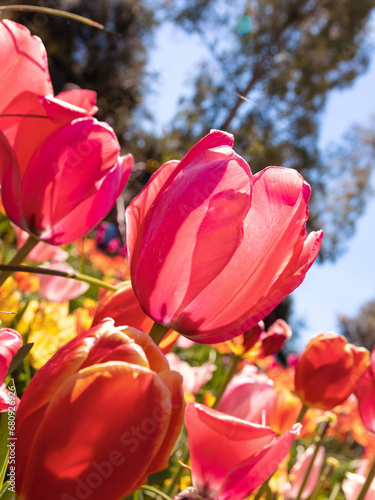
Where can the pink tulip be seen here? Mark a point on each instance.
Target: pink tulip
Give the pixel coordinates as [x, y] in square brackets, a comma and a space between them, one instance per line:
[353, 484]
[23, 64]
[42, 251]
[249, 396]
[230, 458]
[194, 377]
[10, 343]
[299, 470]
[58, 289]
[62, 171]
[366, 395]
[212, 248]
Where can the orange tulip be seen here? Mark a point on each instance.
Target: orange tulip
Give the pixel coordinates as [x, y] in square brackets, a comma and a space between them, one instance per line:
[100, 415]
[329, 370]
[123, 307]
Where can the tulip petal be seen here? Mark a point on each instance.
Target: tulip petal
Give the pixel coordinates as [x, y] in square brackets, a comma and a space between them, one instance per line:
[109, 456]
[82, 98]
[172, 381]
[218, 443]
[366, 396]
[10, 343]
[274, 238]
[11, 183]
[159, 182]
[85, 171]
[93, 209]
[59, 289]
[213, 210]
[21, 54]
[252, 472]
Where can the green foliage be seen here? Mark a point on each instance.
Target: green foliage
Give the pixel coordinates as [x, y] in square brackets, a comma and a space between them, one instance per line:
[361, 329]
[111, 63]
[269, 87]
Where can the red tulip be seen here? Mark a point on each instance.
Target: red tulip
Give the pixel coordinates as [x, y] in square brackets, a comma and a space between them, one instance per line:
[123, 307]
[328, 371]
[23, 64]
[230, 457]
[366, 395]
[98, 417]
[10, 343]
[212, 248]
[63, 174]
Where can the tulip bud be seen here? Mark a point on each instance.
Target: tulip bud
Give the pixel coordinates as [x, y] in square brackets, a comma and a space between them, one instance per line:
[329, 370]
[98, 417]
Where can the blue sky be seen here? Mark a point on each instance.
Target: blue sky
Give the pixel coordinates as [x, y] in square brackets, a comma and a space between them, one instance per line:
[329, 289]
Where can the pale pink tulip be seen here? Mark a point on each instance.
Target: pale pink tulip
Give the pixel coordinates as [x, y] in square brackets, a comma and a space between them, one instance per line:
[59, 289]
[212, 248]
[42, 251]
[194, 377]
[230, 457]
[299, 470]
[250, 396]
[365, 393]
[352, 486]
[10, 343]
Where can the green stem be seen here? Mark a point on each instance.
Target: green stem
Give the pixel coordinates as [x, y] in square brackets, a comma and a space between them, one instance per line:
[318, 441]
[323, 477]
[20, 256]
[54, 272]
[158, 332]
[367, 484]
[177, 475]
[229, 375]
[262, 489]
[161, 494]
[55, 12]
[335, 491]
[302, 413]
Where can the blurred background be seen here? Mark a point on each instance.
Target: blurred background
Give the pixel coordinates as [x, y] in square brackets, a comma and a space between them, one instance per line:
[293, 81]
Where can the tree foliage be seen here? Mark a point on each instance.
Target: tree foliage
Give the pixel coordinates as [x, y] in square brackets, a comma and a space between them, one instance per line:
[110, 62]
[361, 329]
[272, 66]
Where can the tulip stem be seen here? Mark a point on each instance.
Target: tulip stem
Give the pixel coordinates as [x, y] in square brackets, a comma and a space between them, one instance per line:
[53, 272]
[55, 12]
[367, 484]
[157, 492]
[177, 475]
[302, 413]
[20, 256]
[263, 489]
[318, 440]
[158, 332]
[229, 375]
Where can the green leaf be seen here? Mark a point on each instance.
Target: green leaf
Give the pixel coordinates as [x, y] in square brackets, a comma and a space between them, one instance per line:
[20, 356]
[6, 493]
